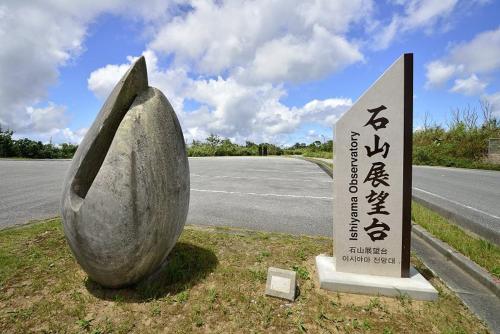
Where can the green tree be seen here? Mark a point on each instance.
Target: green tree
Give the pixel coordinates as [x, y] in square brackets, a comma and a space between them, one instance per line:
[6, 143]
[214, 140]
[67, 150]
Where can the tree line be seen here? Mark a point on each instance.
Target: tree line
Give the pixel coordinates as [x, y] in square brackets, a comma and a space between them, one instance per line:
[462, 143]
[31, 149]
[214, 145]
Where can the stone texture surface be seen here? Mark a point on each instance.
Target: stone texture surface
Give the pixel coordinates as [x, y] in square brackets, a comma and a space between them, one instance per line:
[126, 195]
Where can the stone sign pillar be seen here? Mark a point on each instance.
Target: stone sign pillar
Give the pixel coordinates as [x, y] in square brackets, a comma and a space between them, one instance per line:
[372, 192]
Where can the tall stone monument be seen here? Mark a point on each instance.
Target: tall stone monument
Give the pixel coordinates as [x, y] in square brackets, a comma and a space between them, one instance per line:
[372, 193]
[126, 195]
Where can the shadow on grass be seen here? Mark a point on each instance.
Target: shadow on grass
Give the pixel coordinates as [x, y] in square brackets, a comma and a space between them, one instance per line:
[186, 265]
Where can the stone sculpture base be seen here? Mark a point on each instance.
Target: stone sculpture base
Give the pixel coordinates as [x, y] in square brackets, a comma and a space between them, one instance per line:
[416, 286]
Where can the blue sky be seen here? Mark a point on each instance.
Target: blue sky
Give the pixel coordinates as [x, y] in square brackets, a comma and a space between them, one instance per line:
[248, 70]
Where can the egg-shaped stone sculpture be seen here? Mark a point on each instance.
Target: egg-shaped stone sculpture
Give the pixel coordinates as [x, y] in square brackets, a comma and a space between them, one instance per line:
[126, 195]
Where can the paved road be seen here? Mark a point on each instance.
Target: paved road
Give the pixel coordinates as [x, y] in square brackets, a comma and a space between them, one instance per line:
[30, 189]
[274, 194]
[472, 194]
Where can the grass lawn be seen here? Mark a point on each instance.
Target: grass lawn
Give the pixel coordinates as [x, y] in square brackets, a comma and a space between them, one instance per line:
[214, 282]
[483, 252]
[318, 154]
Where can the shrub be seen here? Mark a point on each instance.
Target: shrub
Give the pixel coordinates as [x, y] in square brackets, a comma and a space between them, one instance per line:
[464, 144]
[27, 148]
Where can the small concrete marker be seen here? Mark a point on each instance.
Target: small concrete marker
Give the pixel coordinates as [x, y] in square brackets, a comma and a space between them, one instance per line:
[281, 283]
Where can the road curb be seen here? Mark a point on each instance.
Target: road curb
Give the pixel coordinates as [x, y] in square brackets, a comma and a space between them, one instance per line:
[478, 273]
[321, 164]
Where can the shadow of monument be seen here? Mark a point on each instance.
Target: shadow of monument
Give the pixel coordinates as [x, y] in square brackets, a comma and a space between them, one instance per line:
[186, 265]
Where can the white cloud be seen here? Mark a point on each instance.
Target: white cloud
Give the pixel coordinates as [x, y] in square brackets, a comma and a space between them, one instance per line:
[418, 14]
[48, 123]
[256, 112]
[228, 107]
[73, 136]
[494, 101]
[336, 16]
[172, 82]
[481, 54]
[326, 112]
[37, 38]
[469, 86]
[56, 136]
[384, 37]
[438, 73]
[296, 60]
[238, 40]
[34, 44]
[45, 119]
[426, 13]
[248, 49]
[102, 81]
[465, 62]
[236, 36]
[312, 136]
[247, 112]
[233, 58]
[238, 111]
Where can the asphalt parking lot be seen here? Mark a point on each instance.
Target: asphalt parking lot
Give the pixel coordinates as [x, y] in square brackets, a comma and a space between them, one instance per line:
[260, 193]
[270, 194]
[30, 189]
